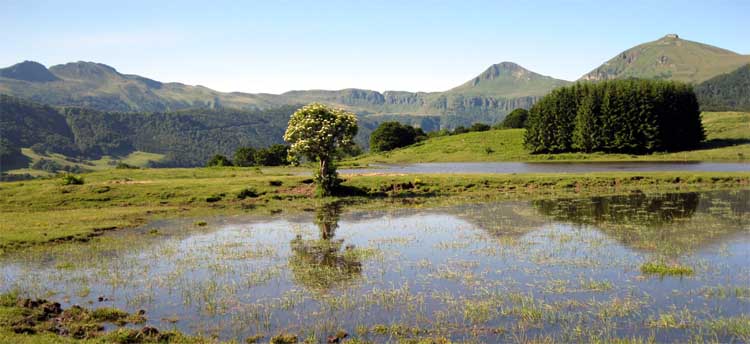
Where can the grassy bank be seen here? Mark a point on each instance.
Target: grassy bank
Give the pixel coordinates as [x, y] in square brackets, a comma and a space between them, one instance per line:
[44, 210]
[727, 139]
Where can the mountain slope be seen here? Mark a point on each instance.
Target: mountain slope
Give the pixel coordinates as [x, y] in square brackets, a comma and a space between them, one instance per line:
[729, 91]
[672, 58]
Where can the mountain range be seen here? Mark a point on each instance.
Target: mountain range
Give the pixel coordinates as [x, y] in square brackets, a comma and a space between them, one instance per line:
[122, 107]
[500, 89]
[489, 96]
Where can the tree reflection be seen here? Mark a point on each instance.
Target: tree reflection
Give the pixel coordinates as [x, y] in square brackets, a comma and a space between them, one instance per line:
[665, 223]
[323, 263]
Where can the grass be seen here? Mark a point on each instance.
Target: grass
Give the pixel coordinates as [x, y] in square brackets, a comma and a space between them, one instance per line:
[42, 321]
[664, 269]
[728, 139]
[43, 210]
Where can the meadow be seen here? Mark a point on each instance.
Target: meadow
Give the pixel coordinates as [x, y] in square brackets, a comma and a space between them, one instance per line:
[727, 139]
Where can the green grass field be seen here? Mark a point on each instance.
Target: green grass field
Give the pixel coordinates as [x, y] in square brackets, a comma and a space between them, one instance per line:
[728, 139]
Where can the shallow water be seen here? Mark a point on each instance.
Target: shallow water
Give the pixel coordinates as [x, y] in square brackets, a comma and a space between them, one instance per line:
[552, 167]
[493, 272]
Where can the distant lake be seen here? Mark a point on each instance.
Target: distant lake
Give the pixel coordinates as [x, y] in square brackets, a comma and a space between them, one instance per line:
[552, 167]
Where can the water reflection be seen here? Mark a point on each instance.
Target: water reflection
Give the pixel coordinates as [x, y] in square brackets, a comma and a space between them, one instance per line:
[666, 223]
[545, 271]
[321, 264]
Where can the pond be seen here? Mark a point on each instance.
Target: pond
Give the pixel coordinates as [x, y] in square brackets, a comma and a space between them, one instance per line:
[552, 167]
[573, 270]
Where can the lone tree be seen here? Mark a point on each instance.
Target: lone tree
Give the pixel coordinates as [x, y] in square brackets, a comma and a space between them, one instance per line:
[316, 132]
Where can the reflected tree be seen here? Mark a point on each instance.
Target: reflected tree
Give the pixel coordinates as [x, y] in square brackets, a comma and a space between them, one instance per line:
[669, 223]
[323, 263]
[637, 208]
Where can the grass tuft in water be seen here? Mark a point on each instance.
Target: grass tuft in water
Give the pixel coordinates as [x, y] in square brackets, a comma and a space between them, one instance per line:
[664, 269]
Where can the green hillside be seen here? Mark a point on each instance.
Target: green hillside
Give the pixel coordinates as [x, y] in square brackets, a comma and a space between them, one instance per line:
[672, 58]
[729, 91]
[728, 139]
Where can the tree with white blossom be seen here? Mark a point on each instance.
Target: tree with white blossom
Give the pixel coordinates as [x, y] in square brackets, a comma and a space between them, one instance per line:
[316, 132]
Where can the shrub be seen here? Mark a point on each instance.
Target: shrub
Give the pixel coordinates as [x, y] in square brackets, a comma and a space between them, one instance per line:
[514, 120]
[218, 160]
[247, 193]
[69, 179]
[274, 155]
[46, 165]
[244, 157]
[392, 135]
[459, 130]
[479, 127]
[124, 166]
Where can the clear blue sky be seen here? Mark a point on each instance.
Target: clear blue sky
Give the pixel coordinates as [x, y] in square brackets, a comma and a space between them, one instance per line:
[275, 46]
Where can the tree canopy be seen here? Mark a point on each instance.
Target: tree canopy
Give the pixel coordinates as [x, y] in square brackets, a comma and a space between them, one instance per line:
[391, 135]
[620, 116]
[317, 132]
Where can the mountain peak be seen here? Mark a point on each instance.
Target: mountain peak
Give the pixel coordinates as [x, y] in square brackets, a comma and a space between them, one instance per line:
[85, 70]
[28, 71]
[508, 79]
[507, 69]
[670, 57]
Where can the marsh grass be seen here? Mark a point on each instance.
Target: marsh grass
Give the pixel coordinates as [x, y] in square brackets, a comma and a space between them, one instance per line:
[666, 269]
[473, 273]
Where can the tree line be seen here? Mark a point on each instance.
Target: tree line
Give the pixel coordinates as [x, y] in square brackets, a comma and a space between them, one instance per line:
[620, 116]
[274, 155]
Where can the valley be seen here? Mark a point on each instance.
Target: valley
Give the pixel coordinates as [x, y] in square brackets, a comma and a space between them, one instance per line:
[515, 207]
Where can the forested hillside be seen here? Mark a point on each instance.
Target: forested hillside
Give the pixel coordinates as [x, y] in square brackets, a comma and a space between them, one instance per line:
[187, 138]
[726, 92]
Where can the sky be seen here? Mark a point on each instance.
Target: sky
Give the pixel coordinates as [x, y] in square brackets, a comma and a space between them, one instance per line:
[275, 46]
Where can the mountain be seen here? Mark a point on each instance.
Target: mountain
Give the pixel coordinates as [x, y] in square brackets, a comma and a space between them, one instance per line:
[98, 86]
[729, 91]
[487, 97]
[671, 58]
[28, 71]
[510, 80]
